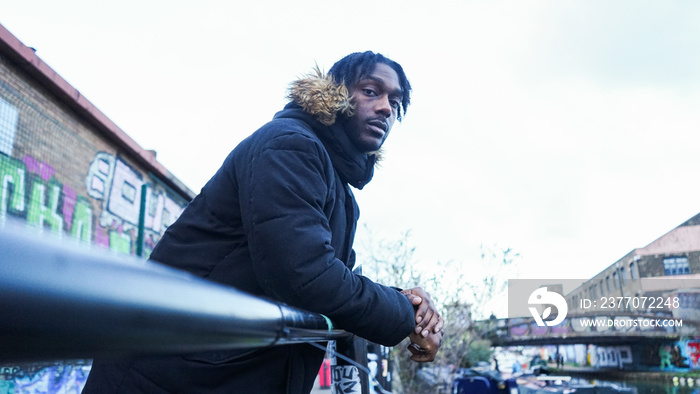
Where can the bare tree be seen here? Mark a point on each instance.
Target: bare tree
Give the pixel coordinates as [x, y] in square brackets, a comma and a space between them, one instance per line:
[457, 296]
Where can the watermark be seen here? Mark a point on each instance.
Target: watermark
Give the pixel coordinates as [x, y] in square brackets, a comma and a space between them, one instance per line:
[629, 323]
[571, 305]
[543, 300]
[548, 299]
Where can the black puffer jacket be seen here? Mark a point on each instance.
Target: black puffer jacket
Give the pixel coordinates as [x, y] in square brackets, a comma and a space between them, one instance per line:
[277, 220]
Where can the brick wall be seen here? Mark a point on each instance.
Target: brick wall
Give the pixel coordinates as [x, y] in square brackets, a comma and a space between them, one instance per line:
[59, 172]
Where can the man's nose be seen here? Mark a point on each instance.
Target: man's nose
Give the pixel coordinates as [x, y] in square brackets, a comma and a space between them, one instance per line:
[384, 106]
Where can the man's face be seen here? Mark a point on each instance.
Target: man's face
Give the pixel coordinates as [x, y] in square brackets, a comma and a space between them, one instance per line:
[377, 98]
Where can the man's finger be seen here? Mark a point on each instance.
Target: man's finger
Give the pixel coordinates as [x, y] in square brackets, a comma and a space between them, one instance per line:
[430, 322]
[439, 325]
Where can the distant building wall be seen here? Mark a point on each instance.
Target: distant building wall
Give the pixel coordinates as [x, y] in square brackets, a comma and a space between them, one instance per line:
[673, 256]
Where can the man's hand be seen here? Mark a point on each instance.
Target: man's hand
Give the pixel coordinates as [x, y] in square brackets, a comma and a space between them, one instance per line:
[428, 319]
[424, 349]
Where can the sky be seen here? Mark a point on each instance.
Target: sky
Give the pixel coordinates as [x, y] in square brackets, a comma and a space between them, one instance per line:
[565, 130]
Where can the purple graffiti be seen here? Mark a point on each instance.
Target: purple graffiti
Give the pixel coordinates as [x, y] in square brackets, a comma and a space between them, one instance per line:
[537, 330]
[562, 328]
[519, 330]
[42, 169]
[101, 237]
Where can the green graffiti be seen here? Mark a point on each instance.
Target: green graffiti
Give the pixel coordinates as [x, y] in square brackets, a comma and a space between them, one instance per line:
[665, 356]
[82, 220]
[40, 213]
[11, 180]
[119, 242]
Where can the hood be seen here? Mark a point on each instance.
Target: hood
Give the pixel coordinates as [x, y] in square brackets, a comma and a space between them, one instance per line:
[320, 96]
[319, 101]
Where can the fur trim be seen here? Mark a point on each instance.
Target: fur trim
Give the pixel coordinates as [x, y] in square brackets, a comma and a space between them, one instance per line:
[379, 156]
[320, 96]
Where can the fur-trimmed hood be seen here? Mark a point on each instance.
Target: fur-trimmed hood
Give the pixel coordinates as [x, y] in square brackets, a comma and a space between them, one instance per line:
[321, 96]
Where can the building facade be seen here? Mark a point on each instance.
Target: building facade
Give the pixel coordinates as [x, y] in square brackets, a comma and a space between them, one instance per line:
[642, 280]
[69, 170]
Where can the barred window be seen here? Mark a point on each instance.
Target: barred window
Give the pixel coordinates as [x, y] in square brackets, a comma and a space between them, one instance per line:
[677, 265]
[8, 126]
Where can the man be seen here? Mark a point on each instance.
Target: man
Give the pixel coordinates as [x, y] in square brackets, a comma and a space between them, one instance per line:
[278, 220]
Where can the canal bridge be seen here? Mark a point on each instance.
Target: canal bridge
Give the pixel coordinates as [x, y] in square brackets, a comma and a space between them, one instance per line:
[612, 328]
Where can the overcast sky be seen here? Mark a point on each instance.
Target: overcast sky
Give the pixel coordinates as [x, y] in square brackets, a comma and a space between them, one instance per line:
[566, 130]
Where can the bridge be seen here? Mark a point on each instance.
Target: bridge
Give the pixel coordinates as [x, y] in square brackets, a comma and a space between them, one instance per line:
[612, 328]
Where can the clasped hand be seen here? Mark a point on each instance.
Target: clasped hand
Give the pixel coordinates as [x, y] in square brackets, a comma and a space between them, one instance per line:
[426, 339]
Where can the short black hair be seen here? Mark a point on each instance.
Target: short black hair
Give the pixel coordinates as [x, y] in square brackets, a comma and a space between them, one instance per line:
[354, 66]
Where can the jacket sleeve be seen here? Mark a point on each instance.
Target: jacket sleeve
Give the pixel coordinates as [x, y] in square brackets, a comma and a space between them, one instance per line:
[283, 207]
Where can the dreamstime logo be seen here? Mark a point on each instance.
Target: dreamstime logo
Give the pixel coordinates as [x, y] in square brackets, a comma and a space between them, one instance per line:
[543, 297]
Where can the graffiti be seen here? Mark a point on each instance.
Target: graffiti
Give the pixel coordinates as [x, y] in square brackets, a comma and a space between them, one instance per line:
[563, 328]
[119, 187]
[612, 356]
[346, 379]
[48, 203]
[669, 355]
[41, 206]
[518, 327]
[30, 190]
[693, 354]
[58, 377]
[664, 356]
[12, 173]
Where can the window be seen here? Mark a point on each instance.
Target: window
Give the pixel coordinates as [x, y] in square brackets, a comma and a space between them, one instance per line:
[676, 266]
[616, 282]
[607, 283]
[8, 126]
[623, 276]
[602, 288]
[633, 271]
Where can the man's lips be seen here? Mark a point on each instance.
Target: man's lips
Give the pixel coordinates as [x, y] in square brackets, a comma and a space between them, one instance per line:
[378, 124]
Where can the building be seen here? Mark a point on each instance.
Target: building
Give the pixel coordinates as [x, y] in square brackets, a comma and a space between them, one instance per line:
[642, 280]
[68, 169]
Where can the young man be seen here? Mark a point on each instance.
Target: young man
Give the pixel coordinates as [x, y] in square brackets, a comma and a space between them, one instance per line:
[278, 220]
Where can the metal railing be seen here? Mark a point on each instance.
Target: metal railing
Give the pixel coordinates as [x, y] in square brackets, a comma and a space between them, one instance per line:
[59, 300]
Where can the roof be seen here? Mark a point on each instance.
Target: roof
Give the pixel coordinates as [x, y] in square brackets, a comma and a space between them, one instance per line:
[683, 238]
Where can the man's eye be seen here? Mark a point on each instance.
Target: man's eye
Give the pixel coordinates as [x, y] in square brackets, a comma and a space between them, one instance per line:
[394, 104]
[369, 92]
